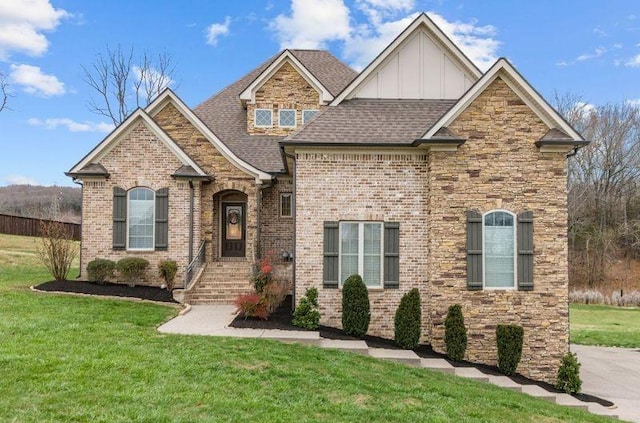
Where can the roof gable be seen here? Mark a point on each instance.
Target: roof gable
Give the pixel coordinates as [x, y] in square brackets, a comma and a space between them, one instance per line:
[249, 93]
[504, 70]
[422, 62]
[102, 149]
[169, 96]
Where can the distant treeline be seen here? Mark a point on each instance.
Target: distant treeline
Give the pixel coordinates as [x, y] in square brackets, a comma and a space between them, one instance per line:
[51, 202]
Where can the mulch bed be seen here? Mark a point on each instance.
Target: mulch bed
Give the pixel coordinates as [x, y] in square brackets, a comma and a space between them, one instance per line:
[281, 319]
[150, 293]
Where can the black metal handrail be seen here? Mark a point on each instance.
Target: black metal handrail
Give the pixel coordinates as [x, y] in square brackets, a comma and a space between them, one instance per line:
[195, 265]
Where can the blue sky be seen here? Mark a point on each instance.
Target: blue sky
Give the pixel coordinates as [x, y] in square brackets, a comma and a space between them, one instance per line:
[588, 48]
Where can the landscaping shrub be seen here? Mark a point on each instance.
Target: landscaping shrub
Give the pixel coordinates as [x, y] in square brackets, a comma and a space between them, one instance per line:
[455, 333]
[262, 275]
[99, 270]
[569, 374]
[251, 305]
[132, 269]
[355, 307]
[56, 248]
[273, 294]
[407, 320]
[306, 315]
[509, 340]
[168, 270]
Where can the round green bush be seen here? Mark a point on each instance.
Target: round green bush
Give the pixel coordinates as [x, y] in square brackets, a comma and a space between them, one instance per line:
[99, 270]
[132, 268]
[407, 320]
[509, 339]
[168, 270]
[355, 307]
[455, 333]
[569, 374]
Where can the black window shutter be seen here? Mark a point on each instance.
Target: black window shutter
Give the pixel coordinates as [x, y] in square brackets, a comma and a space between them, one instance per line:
[331, 248]
[474, 250]
[162, 219]
[391, 255]
[525, 251]
[119, 219]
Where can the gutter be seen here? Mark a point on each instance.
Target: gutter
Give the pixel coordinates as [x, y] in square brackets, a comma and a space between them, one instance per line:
[295, 214]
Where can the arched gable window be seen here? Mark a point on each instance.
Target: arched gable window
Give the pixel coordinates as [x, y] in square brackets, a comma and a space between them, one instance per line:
[499, 247]
[140, 219]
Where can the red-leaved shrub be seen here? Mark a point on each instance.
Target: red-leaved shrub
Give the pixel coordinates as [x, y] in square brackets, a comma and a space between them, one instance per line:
[251, 305]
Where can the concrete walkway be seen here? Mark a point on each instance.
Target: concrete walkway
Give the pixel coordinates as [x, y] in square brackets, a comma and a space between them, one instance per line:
[614, 374]
[214, 320]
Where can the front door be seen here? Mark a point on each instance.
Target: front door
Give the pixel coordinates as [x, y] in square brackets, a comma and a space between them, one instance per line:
[233, 229]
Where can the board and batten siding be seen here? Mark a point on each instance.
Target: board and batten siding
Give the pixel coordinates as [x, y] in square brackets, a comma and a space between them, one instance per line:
[419, 69]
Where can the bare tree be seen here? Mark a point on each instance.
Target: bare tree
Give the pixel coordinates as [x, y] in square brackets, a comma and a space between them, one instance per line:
[122, 81]
[4, 92]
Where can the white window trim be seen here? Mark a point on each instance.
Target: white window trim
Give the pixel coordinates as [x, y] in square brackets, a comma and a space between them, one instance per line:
[515, 255]
[295, 118]
[255, 121]
[153, 239]
[304, 121]
[290, 195]
[361, 224]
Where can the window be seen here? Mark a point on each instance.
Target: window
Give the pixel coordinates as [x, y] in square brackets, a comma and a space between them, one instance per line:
[285, 204]
[287, 118]
[263, 117]
[499, 234]
[140, 220]
[361, 251]
[307, 115]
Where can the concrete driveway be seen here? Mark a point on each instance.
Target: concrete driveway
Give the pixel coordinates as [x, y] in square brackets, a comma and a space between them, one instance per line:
[613, 374]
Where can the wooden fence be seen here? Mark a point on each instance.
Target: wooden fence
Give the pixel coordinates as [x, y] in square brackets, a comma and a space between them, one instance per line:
[28, 226]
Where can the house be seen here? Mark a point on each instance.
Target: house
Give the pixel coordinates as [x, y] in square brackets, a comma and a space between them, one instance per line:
[420, 171]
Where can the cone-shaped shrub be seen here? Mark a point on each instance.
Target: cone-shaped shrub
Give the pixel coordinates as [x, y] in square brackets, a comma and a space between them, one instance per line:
[407, 320]
[509, 339]
[455, 333]
[306, 314]
[569, 374]
[355, 307]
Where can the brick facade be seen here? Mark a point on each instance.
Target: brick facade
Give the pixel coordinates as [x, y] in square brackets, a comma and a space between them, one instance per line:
[498, 167]
[286, 89]
[151, 166]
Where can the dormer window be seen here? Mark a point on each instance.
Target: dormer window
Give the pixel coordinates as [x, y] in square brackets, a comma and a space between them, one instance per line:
[263, 118]
[307, 115]
[287, 118]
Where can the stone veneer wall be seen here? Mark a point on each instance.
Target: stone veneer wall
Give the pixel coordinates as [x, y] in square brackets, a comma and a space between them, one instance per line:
[499, 167]
[150, 166]
[286, 89]
[226, 177]
[360, 186]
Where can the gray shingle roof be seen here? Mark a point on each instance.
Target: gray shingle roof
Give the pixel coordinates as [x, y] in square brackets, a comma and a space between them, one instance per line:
[368, 121]
[224, 115]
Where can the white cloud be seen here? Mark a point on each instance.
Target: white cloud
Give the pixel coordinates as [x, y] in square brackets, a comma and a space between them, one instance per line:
[379, 10]
[217, 30]
[633, 62]
[600, 32]
[34, 81]
[22, 23]
[19, 180]
[598, 52]
[71, 125]
[584, 110]
[617, 46]
[312, 24]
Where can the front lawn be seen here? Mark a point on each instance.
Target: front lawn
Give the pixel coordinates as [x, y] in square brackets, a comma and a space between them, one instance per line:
[82, 359]
[605, 325]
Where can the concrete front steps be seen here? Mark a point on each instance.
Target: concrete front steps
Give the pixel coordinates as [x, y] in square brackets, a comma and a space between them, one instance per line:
[220, 283]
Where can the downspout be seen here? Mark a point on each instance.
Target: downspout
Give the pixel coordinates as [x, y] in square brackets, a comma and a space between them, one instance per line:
[191, 189]
[79, 182]
[295, 214]
[260, 186]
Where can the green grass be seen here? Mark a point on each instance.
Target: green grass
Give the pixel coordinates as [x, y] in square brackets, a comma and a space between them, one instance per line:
[605, 325]
[79, 359]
